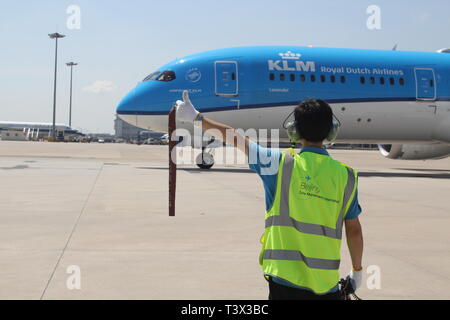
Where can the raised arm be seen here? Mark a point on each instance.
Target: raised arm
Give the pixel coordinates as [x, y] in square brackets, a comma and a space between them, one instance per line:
[186, 112]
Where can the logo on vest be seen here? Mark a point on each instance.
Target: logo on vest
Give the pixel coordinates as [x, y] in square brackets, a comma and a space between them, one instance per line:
[308, 190]
[308, 186]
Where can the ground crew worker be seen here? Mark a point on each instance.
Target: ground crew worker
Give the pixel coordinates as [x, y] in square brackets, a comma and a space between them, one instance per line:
[309, 197]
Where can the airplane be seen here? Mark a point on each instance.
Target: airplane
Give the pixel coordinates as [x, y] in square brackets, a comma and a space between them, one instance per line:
[399, 100]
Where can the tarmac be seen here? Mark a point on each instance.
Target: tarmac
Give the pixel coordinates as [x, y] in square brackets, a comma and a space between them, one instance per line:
[90, 221]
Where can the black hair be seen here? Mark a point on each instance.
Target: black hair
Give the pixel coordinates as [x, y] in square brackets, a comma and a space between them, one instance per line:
[313, 119]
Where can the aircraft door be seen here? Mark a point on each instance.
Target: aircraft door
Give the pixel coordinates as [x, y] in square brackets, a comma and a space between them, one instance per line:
[425, 84]
[226, 74]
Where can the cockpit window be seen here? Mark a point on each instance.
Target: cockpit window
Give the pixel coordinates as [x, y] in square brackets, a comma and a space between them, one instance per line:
[166, 76]
[152, 76]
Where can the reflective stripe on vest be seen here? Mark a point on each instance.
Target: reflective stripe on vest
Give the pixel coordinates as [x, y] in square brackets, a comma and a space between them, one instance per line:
[284, 219]
[293, 255]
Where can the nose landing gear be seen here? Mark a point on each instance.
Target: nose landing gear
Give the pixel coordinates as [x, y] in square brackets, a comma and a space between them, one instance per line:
[205, 160]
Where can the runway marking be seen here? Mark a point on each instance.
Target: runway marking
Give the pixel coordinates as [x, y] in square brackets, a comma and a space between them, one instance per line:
[72, 232]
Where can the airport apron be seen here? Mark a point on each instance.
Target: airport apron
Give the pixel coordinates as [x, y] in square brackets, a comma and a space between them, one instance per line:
[302, 238]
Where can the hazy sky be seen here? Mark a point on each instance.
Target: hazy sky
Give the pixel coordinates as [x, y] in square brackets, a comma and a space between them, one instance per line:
[120, 42]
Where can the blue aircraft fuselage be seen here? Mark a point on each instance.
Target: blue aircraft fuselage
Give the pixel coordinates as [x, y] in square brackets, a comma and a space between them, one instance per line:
[395, 85]
[263, 77]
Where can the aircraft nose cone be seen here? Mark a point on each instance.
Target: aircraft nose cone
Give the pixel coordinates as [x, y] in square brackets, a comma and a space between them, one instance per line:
[127, 104]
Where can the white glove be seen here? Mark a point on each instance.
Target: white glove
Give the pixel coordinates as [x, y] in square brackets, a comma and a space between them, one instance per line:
[355, 279]
[186, 112]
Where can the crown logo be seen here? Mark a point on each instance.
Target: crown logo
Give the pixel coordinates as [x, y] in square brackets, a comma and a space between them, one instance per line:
[289, 55]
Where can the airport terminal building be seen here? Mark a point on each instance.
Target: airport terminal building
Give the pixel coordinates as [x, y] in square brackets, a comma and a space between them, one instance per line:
[36, 131]
[128, 132]
[124, 130]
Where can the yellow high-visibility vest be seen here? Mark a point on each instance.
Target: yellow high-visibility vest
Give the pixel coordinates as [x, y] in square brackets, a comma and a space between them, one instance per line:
[302, 239]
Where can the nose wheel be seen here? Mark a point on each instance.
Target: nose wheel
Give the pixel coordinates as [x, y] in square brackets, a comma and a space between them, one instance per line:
[205, 160]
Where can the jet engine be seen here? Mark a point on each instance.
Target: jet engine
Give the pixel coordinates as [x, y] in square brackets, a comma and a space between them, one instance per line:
[414, 151]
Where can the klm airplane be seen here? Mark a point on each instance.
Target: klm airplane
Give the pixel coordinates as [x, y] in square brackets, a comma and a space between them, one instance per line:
[398, 100]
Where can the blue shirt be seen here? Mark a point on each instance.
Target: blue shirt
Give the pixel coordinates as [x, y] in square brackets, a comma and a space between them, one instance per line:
[265, 163]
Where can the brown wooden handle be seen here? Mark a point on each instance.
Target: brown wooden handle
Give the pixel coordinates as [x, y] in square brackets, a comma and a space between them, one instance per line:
[172, 162]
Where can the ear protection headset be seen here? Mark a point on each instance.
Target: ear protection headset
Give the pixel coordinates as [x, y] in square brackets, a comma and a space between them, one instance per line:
[295, 136]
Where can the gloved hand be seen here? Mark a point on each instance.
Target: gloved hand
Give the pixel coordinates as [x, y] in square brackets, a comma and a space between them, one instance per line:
[355, 279]
[186, 112]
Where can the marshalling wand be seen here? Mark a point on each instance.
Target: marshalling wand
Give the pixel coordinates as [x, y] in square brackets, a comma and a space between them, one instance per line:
[172, 162]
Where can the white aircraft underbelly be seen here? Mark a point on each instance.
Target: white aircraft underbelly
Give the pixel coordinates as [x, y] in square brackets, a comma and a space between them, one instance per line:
[369, 122]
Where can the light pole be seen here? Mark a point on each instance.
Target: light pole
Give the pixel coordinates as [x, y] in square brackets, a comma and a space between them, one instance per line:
[55, 36]
[71, 64]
